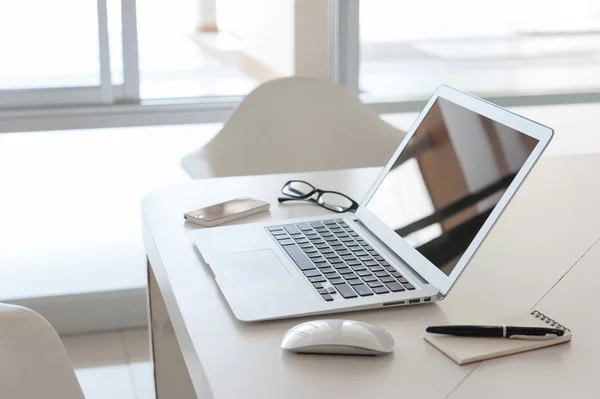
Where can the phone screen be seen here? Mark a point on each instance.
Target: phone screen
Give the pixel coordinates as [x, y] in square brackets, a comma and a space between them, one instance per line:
[219, 211]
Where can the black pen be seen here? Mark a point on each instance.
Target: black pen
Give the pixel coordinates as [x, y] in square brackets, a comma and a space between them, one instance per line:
[498, 331]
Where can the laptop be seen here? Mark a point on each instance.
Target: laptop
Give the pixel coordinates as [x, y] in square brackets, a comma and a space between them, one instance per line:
[413, 234]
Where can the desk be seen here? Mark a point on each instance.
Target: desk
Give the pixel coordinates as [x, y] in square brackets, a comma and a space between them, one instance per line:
[201, 350]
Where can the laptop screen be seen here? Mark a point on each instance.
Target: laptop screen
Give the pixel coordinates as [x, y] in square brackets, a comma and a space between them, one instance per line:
[448, 179]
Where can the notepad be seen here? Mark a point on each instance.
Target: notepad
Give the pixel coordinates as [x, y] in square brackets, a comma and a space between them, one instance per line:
[464, 350]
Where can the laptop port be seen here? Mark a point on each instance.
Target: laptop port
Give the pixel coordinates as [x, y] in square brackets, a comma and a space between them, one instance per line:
[393, 303]
[414, 301]
[428, 299]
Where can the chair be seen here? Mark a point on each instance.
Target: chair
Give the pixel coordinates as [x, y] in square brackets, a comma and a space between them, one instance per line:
[33, 361]
[296, 124]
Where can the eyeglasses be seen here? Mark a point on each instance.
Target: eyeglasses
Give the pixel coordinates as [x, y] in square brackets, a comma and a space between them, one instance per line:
[299, 190]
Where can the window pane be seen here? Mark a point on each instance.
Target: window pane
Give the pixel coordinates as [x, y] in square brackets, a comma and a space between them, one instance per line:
[47, 44]
[508, 47]
[254, 43]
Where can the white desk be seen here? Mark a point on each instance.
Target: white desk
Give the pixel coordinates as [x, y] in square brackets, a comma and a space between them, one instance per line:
[201, 350]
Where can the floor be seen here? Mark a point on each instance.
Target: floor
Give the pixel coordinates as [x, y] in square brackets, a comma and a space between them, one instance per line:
[113, 365]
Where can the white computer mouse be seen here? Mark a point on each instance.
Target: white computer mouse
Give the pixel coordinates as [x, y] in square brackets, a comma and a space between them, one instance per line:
[338, 337]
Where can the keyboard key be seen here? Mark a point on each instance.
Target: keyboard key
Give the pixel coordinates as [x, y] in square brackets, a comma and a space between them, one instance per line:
[338, 247]
[344, 252]
[327, 235]
[356, 249]
[403, 280]
[331, 239]
[347, 240]
[320, 263]
[331, 256]
[287, 241]
[390, 268]
[313, 254]
[304, 227]
[353, 233]
[337, 230]
[327, 297]
[376, 269]
[380, 290]
[292, 229]
[311, 250]
[364, 273]
[316, 224]
[334, 261]
[369, 278]
[382, 274]
[332, 275]
[337, 281]
[384, 263]
[395, 287]
[331, 290]
[322, 291]
[318, 279]
[348, 258]
[368, 247]
[354, 262]
[371, 263]
[363, 290]
[330, 223]
[327, 269]
[365, 258]
[379, 258]
[343, 235]
[306, 246]
[312, 273]
[388, 279]
[396, 274]
[318, 285]
[374, 284]
[297, 236]
[318, 241]
[354, 281]
[344, 270]
[340, 265]
[358, 268]
[346, 291]
[333, 243]
[301, 260]
[361, 253]
[275, 228]
[326, 251]
[322, 266]
[409, 286]
[349, 276]
[301, 241]
[322, 246]
[362, 242]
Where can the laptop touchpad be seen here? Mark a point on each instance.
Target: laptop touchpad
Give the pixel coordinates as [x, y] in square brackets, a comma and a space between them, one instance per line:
[251, 266]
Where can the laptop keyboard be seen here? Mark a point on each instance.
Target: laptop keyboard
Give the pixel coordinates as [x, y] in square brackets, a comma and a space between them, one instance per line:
[332, 252]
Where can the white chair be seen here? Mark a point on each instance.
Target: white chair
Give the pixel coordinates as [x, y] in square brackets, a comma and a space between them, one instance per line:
[33, 360]
[293, 125]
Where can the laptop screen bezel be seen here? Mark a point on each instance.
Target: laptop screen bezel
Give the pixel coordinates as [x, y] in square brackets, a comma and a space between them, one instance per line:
[401, 247]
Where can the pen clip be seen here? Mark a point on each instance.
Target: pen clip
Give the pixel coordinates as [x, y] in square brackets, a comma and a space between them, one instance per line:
[534, 337]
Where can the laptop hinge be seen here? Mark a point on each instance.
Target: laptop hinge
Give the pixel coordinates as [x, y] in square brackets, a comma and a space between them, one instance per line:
[391, 252]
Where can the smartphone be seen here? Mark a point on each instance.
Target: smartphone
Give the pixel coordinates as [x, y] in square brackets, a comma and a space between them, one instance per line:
[224, 212]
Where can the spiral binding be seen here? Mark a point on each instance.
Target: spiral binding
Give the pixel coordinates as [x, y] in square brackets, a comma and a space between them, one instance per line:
[539, 315]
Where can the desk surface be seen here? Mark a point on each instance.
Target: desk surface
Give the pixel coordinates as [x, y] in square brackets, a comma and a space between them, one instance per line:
[550, 224]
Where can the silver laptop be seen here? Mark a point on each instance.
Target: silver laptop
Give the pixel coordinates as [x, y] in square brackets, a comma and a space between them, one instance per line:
[413, 234]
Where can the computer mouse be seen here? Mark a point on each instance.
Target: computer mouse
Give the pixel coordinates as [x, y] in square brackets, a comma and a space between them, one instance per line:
[338, 337]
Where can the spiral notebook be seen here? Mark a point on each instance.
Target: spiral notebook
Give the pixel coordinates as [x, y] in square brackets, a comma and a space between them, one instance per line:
[465, 350]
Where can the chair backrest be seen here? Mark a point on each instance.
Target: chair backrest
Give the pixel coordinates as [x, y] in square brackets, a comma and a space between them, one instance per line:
[292, 125]
[33, 360]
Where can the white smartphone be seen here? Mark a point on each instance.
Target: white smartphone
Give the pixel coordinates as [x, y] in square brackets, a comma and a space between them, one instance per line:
[224, 212]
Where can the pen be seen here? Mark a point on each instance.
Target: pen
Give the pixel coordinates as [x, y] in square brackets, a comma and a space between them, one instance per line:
[497, 331]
